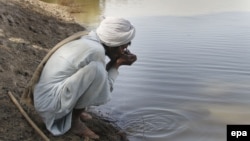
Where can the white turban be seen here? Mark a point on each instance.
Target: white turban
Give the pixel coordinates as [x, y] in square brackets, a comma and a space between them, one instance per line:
[114, 32]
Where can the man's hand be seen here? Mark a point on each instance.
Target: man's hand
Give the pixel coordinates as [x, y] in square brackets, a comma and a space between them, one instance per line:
[126, 59]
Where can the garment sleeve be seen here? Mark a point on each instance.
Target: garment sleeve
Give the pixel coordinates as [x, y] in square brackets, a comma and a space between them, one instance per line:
[112, 75]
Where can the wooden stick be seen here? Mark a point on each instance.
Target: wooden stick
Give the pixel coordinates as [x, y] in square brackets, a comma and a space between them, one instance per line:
[14, 100]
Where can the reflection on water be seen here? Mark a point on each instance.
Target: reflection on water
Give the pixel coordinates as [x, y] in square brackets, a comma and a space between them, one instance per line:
[89, 12]
[86, 12]
[192, 76]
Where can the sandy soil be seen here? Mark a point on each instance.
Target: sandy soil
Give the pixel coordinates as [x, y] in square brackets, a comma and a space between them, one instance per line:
[27, 32]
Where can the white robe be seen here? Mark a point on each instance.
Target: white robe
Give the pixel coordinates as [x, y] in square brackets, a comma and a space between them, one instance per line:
[75, 76]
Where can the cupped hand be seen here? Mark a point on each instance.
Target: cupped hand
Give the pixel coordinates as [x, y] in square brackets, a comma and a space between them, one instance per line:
[126, 59]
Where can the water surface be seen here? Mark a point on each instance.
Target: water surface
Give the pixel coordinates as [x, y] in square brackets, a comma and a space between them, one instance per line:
[191, 79]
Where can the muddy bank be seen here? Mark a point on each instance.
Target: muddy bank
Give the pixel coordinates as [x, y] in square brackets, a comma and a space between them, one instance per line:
[27, 32]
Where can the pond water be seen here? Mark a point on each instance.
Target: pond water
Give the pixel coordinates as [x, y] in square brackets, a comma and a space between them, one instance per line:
[192, 77]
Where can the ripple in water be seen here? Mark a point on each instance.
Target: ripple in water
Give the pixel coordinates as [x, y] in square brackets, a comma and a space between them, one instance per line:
[151, 123]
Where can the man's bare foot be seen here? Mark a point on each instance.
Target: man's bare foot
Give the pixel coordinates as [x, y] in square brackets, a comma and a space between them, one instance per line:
[80, 129]
[85, 116]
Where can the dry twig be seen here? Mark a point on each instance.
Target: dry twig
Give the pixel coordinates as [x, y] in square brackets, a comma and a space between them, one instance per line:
[14, 100]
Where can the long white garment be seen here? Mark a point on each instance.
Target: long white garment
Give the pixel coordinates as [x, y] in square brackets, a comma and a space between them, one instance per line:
[75, 76]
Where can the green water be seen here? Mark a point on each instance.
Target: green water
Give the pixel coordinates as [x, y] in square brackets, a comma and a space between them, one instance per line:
[86, 12]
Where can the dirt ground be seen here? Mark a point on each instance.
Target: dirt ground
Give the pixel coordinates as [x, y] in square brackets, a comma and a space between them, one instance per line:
[27, 32]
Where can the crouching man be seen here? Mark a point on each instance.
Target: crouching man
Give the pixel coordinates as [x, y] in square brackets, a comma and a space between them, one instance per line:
[76, 76]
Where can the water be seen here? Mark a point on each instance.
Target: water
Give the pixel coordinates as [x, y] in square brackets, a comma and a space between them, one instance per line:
[191, 79]
[192, 76]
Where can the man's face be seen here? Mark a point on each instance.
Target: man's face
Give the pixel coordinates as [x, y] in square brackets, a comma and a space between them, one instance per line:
[115, 52]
